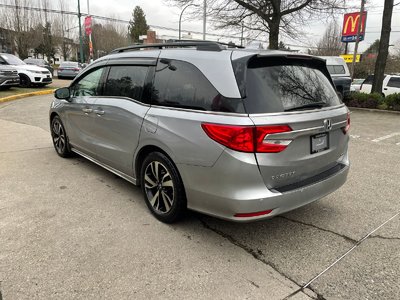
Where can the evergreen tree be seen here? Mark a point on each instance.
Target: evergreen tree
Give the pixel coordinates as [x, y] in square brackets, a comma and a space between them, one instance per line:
[137, 25]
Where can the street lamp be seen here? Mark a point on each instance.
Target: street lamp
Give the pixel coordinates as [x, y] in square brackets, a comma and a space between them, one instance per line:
[180, 18]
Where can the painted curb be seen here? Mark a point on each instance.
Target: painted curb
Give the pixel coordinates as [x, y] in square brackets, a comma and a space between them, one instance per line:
[374, 110]
[20, 96]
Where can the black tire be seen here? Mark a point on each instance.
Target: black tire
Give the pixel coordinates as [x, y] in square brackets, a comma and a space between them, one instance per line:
[24, 81]
[59, 137]
[161, 183]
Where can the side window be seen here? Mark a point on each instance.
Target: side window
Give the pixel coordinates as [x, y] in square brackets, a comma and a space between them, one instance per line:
[88, 85]
[126, 81]
[180, 84]
[394, 82]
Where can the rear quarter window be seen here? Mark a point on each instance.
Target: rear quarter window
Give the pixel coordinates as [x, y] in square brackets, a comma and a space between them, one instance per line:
[181, 84]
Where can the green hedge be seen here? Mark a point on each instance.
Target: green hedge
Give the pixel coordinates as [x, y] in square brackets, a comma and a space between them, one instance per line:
[375, 100]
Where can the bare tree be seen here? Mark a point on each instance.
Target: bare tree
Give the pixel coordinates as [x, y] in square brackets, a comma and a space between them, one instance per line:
[107, 36]
[330, 44]
[265, 16]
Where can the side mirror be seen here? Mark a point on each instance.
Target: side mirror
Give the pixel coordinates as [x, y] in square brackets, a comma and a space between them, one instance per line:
[62, 93]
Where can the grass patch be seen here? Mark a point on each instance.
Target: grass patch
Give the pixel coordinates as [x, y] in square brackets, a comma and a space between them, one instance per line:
[18, 90]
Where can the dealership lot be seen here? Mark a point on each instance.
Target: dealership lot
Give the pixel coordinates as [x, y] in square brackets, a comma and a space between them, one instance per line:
[70, 229]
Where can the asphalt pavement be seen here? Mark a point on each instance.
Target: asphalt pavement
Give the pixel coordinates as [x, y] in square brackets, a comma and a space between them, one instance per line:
[70, 229]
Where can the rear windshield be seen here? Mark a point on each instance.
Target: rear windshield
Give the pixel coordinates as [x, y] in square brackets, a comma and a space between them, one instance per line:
[69, 64]
[336, 69]
[278, 85]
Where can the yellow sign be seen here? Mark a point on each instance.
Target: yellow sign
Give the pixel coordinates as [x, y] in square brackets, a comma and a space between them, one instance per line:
[349, 57]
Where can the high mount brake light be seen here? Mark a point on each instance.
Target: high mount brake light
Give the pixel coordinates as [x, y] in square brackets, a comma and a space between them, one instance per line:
[248, 138]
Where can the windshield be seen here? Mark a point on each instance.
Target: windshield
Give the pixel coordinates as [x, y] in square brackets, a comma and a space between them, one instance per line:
[35, 61]
[12, 60]
[286, 86]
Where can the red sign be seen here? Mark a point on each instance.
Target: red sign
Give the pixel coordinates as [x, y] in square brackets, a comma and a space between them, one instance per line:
[350, 26]
[88, 25]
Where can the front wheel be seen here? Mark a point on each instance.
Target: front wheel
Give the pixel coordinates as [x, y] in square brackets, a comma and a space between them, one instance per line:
[162, 188]
[24, 81]
[60, 140]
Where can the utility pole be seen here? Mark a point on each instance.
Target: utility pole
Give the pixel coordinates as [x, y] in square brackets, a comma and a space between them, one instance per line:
[80, 33]
[90, 36]
[358, 38]
[204, 19]
[383, 52]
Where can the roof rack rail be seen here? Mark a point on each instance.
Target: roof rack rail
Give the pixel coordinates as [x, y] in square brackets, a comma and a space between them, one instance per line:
[200, 45]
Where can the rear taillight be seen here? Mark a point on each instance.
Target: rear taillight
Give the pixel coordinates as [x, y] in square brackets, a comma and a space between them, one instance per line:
[76, 69]
[347, 127]
[266, 143]
[240, 138]
[248, 138]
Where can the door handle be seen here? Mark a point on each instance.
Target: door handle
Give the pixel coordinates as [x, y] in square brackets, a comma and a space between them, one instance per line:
[87, 110]
[99, 112]
[385, 89]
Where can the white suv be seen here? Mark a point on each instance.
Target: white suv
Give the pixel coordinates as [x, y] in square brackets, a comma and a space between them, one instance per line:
[28, 74]
[391, 85]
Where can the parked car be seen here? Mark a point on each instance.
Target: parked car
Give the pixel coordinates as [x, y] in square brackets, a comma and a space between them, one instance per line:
[8, 77]
[340, 74]
[28, 74]
[237, 134]
[356, 85]
[39, 62]
[391, 85]
[68, 69]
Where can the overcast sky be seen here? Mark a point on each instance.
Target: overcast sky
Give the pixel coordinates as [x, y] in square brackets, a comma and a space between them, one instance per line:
[159, 13]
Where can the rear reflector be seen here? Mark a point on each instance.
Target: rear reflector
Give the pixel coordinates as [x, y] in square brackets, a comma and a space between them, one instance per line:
[248, 138]
[347, 128]
[253, 214]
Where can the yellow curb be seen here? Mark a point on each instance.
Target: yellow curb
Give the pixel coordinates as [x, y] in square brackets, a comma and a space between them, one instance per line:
[19, 96]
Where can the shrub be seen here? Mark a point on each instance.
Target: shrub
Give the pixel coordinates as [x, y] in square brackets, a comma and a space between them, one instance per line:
[393, 101]
[374, 100]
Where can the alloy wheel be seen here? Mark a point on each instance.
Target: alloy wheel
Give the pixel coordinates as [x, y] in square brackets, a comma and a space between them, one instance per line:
[159, 187]
[58, 136]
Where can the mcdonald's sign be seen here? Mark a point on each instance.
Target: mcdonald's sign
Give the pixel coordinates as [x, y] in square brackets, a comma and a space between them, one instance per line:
[350, 26]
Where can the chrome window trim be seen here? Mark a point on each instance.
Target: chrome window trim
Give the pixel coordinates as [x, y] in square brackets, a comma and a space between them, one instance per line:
[297, 112]
[201, 111]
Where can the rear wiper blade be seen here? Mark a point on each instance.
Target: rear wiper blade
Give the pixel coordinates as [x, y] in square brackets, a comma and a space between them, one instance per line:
[308, 105]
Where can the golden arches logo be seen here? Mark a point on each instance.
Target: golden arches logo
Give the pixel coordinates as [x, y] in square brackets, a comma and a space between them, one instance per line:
[353, 20]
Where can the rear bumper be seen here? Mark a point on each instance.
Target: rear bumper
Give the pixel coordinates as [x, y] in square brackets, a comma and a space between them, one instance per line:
[237, 187]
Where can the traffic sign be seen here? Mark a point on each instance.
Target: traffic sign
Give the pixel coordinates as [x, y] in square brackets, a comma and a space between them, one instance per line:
[88, 25]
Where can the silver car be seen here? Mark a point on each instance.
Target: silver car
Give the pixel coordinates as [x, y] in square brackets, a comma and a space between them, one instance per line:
[68, 69]
[238, 134]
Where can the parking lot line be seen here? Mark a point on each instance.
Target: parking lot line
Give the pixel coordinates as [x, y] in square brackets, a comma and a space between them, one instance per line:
[350, 250]
[386, 137]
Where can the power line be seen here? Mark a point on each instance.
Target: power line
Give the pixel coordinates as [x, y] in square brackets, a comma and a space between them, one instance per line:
[55, 11]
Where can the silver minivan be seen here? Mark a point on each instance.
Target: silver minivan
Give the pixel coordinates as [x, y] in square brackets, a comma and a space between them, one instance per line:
[238, 134]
